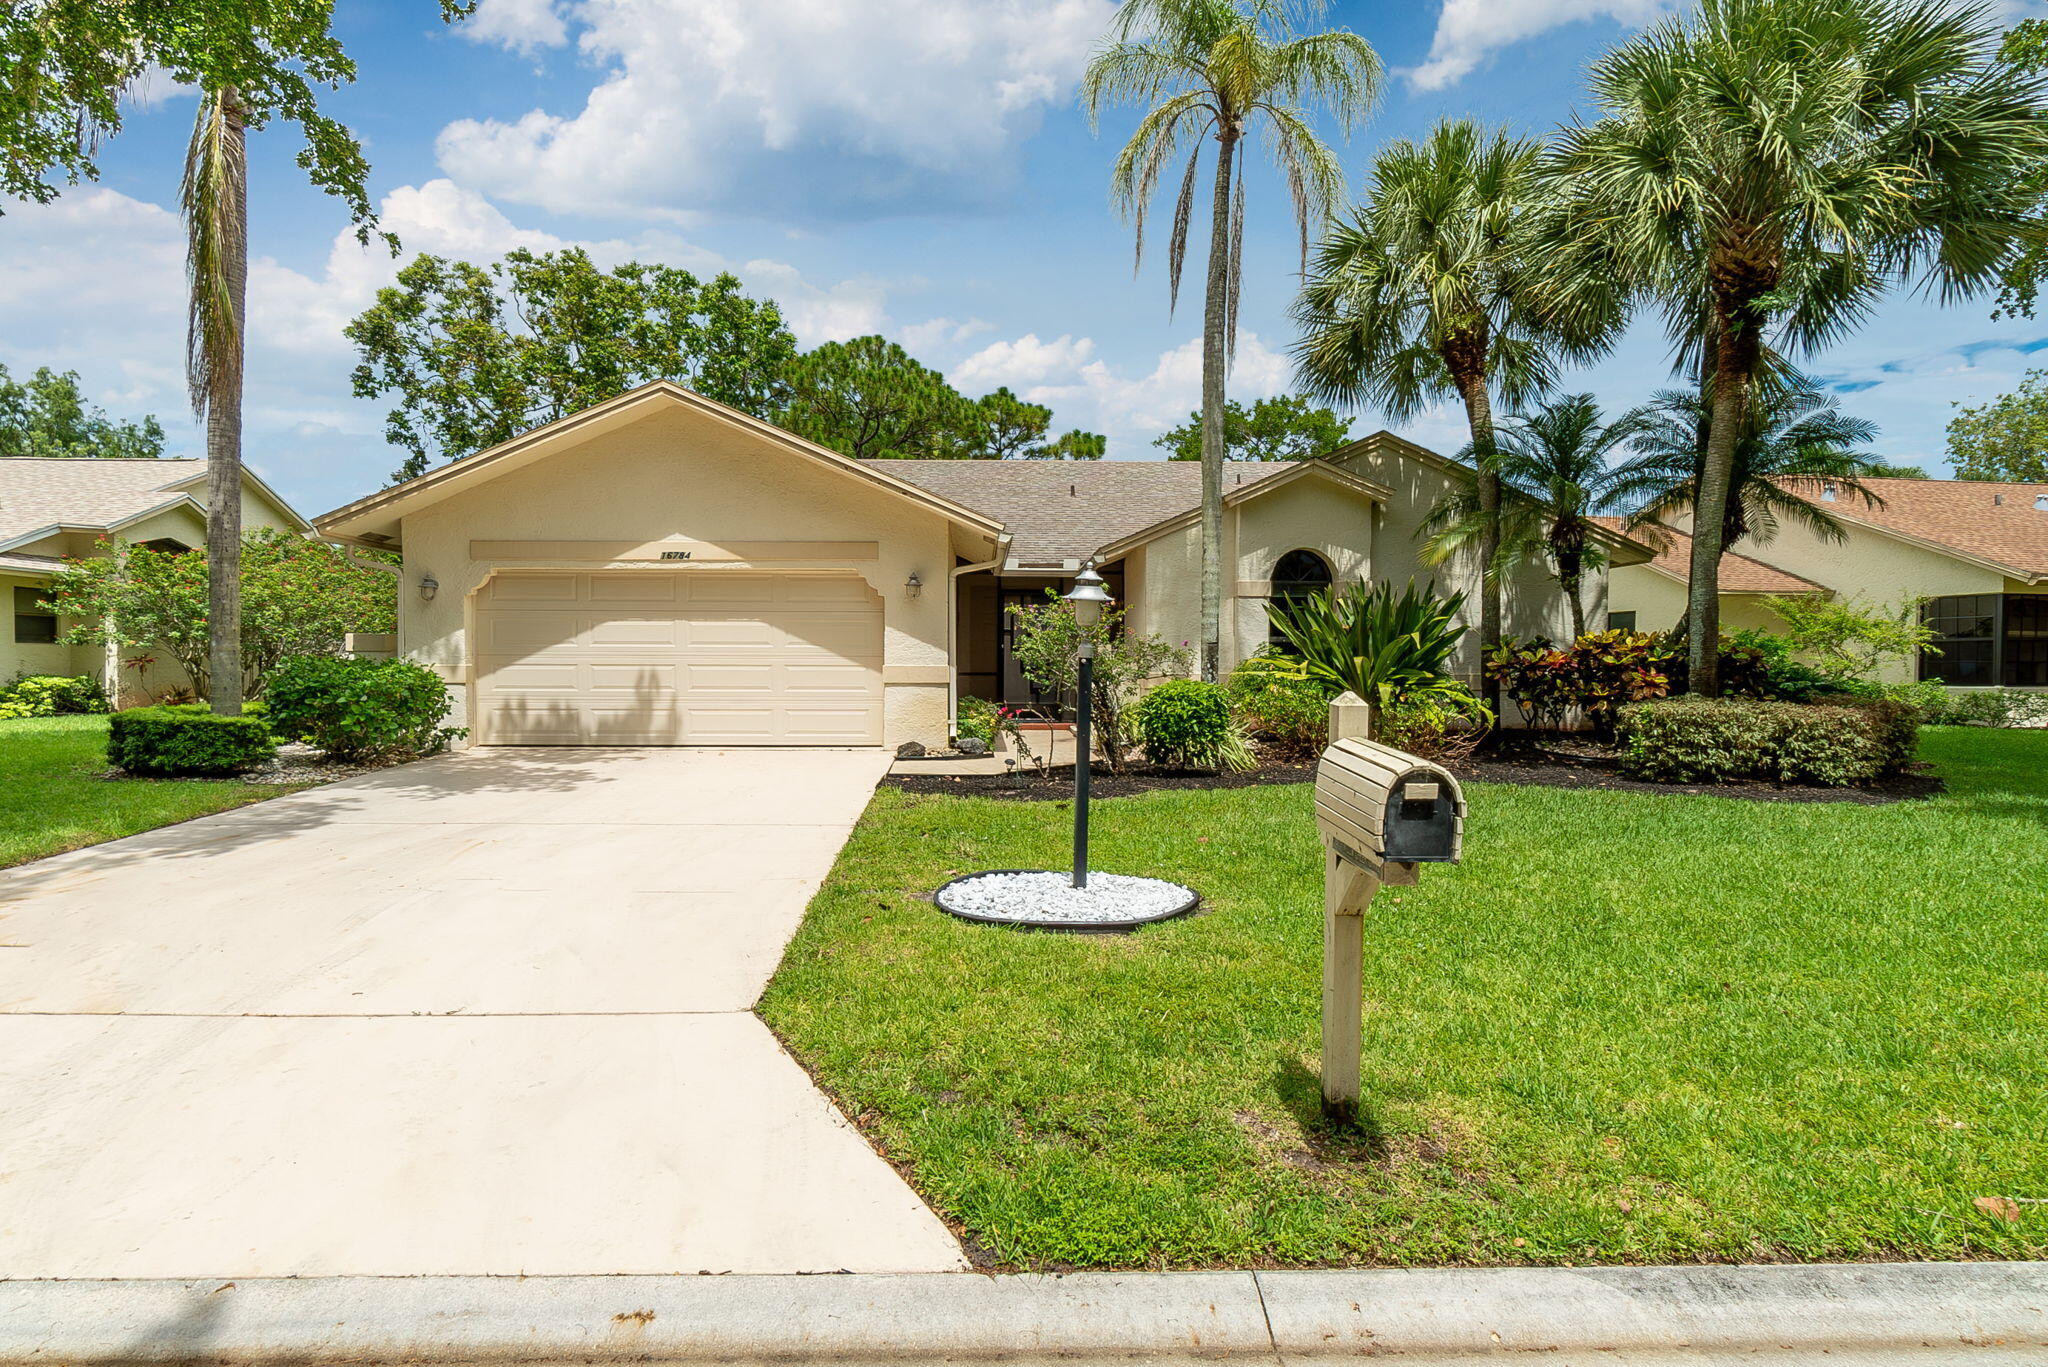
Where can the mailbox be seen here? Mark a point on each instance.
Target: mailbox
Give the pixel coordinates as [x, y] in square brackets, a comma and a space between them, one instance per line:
[1376, 805]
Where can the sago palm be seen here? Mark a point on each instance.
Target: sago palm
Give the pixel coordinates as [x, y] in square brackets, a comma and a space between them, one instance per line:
[1426, 292]
[1794, 441]
[214, 198]
[1766, 169]
[1557, 470]
[1220, 71]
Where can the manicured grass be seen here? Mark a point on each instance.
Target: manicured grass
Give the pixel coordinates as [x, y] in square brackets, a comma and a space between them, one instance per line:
[53, 796]
[1630, 1028]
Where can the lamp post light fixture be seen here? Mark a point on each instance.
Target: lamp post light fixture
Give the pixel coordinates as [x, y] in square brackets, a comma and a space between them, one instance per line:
[1089, 597]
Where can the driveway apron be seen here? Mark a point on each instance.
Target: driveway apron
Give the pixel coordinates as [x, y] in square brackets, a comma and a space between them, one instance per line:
[489, 1013]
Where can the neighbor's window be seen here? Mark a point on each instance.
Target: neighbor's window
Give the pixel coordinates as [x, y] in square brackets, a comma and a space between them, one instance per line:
[1987, 640]
[1621, 621]
[34, 624]
[1299, 574]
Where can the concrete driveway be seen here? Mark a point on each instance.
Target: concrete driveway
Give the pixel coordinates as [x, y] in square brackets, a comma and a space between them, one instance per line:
[489, 1013]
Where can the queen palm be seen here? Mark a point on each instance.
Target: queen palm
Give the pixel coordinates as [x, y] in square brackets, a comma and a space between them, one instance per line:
[214, 199]
[1220, 70]
[1793, 439]
[1557, 471]
[1427, 292]
[1766, 169]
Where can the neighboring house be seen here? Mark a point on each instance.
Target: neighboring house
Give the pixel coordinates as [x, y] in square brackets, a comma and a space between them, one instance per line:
[1973, 553]
[660, 569]
[52, 510]
[1651, 596]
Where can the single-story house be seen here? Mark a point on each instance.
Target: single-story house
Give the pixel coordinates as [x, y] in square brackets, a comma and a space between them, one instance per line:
[54, 509]
[1652, 596]
[660, 569]
[1972, 553]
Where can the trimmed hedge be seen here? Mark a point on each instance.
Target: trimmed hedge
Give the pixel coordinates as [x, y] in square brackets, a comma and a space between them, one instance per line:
[1704, 740]
[186, 739]
[358, 709]
[52, 695]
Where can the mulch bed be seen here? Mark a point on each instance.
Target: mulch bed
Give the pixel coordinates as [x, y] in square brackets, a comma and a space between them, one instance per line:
[1538, 759]
[295, 764]
[1059, 785]
[1577, 764]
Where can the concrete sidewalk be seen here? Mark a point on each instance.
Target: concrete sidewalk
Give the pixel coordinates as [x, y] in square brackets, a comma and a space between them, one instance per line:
[1863, 1313]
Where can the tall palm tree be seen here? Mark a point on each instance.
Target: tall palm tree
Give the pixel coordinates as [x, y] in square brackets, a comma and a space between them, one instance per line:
[1793, 440]
[1766, 169]
[1220, 70]
[1427, 291]
[214, 198]
[1556, 469]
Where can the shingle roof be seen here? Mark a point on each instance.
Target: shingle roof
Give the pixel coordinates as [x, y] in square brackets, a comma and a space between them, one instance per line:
[1739, 573]
[1991, 521]
[1069, 509]
[38, 492]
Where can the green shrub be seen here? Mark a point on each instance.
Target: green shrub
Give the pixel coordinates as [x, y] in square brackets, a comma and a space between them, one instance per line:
[1186, 724]
[359, 709]
[976, 720]
[1705, 740]
[1278, 702]
[1593, 676]
[1984, 707]
[186, 739]
[1443, 728]
[53, 695]
[1770, 670]
[1389, 648]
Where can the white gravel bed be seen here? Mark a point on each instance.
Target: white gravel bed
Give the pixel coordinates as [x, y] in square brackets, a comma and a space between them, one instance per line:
[1039, 898]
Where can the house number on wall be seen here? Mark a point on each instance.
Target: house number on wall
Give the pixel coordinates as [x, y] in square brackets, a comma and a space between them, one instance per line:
[675, 555]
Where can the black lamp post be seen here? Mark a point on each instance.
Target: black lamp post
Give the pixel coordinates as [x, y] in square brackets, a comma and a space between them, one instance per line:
[1089, 597]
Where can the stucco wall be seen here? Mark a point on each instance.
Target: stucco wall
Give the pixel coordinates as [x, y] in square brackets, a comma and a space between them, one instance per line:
[683, 475]
[1532, 604]
[1309, 514]
[1658, 601]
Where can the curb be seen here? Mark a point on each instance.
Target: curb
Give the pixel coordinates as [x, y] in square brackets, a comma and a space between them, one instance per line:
[1928, 1312]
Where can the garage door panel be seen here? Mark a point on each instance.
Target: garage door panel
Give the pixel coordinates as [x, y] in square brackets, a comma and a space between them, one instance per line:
[688, 657]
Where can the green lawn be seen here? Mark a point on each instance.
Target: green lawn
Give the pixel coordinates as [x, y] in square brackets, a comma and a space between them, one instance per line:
[1630, 1028]
[53, 798]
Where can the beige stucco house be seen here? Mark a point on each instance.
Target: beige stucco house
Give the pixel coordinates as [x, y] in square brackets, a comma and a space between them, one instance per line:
[1972, 553]
[52, 510]
[660, 569]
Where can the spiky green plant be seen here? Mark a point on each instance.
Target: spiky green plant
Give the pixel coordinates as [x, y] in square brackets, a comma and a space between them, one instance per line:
[1389, 648]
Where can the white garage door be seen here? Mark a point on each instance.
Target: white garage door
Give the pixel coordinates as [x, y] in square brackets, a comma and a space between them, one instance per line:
[668, 657]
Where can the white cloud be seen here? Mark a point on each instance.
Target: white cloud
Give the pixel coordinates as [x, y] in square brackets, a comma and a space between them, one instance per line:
[1022, 363]
[939, 332]
[95, 282]
[524, 26]
[821, 107]
[1083, 390]
[1470, 31]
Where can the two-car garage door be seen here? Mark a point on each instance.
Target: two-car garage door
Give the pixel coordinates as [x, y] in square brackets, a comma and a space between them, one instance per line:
[678, 657]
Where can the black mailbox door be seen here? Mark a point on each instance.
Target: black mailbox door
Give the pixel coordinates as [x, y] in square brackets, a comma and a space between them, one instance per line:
[1421, 829]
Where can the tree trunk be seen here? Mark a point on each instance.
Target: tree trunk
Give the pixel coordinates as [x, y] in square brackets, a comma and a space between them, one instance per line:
[1573, 582]
[1468, 372]
[1735, 355]
[224, 442]
[1214, 359]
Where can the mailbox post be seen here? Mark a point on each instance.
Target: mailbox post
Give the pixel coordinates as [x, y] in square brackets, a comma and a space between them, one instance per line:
[1382, 813]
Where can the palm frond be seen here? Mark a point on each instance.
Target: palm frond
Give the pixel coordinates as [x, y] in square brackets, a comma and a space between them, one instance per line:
[213, 195]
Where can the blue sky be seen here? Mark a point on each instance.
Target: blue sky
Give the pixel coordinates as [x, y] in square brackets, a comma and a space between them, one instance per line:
[913, 167]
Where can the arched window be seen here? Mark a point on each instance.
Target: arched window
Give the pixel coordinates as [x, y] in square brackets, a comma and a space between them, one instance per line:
[1299, 574]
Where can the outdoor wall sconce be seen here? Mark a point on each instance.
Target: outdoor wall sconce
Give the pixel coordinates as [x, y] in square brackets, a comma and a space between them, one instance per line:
[913, 586]
[429, 586]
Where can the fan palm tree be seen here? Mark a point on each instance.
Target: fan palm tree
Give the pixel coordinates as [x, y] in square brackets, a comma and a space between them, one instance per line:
[1792, 439]
[1767, 169]
[214, 198]
[1220, 70]
[1427, 292]
[1556, 471]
